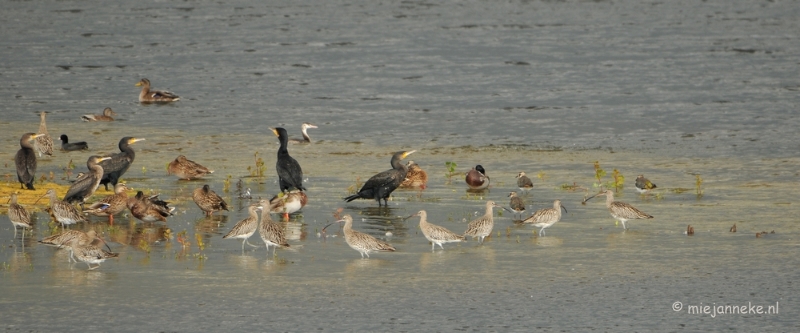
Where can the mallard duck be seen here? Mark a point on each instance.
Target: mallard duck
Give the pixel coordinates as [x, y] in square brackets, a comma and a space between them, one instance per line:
[106, 116]
[545, 217]
[25, 161]
[619, 210]
[149, 209]
[290, 175]
[644, 185]
[72, 146]
[288, 202]
[306, 138]
[208, 200]
[271, 232]
[246, 227]
[44, 143]
[110, 205]
[476, 178]
[482, 226]
[187, 169]
[435, 234]
[119, 163]
[82, 189]
[382, 185]
[362, 242]
[415, 177]
[149, 96]
[18, 216]
[63, 212]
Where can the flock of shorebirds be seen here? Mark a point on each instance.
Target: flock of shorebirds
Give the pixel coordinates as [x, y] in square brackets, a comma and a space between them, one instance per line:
[105, 170]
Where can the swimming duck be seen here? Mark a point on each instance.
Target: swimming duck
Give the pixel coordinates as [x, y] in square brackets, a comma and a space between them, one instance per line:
[72, 146]
[187, 169]
[476, 178]
[208, 200]
[149, 96]
[106, 116]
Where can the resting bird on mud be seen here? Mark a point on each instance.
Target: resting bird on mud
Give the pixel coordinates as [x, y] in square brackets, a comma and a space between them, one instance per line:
[382, 185]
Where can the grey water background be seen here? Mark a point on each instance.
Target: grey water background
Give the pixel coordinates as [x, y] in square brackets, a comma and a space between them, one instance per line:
[669, 89]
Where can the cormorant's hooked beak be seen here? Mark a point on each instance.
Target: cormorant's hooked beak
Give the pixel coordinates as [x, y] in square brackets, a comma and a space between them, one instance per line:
[274, 131]
[135, 140]
[408, 153]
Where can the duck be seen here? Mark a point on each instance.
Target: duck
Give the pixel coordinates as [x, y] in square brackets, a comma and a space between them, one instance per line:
[106, 116]
[44, 143]
[208, 200]
[187, 169]
[149, 209]
[72, 146]
[380, 186]
[476, 178]
[288, 202]
[415, 177]
[150, 96]
[25, 161]
[110, 205]
[304, 128]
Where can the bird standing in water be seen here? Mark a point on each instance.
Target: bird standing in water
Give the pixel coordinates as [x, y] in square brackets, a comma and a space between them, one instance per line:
[290, 175]
[482, 226]
[19, 216]
[63, 212]
[382, 185]
[360, 241]
[415, 177]
[83, 188]
[524, 183]
[644, 185]
[119, 163]
[545, 217]
[516, 204]
[208, 200]
[437, 235]
[246, 227]
[25, 161]
[619, 210]
[110, 205]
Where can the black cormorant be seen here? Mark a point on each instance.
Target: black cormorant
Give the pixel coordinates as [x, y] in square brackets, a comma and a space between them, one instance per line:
[85, 187]
[114, 168]
[290, 175]
[380, 186]
[26, 161]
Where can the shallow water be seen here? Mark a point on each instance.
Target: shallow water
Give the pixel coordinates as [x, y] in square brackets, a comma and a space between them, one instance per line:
[669, 90]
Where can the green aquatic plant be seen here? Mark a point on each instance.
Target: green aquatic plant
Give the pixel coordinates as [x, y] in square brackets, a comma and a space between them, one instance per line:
[541, 175]
[619, 179]
[353, 189]
[599, 173]
[451, 171]
[698, 182]
[226, 184]
[260, 167]
[144, 246]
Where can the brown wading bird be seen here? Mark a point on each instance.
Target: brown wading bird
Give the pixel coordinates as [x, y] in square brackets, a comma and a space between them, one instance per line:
[18, 216]
[271, 232]
[437, 235]
[149, 96]
[65, 238]
[44, 143]
[482, 226]
[110, 205]
[360, 241]
[288, 202]
[149, 209]
[516, 204]
[382, 185]
[524, 183]
[643, 185]
[106, 116]
[88, 253]
[208, 200]
[247, 227]
[290, 175]
[476, 178]
[63, 212]
[619, 210]
[306, 138]
[25, 161]
[119, 163]
[187, 169]
[545, 217]
[82, 189]
[415, 177]
[72, 146]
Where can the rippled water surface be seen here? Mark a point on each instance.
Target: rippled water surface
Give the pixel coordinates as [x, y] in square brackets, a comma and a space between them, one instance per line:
[672, 90]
